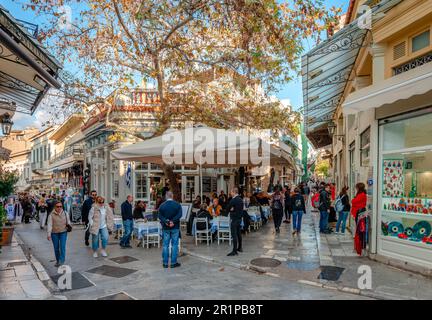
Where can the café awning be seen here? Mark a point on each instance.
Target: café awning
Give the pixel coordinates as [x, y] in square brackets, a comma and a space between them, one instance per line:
[27, 70]
[414, 82]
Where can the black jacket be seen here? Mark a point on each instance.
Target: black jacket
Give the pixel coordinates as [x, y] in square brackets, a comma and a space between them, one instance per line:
[86, 209]
[324, 201]
[298, 203]
[126, 211]
[235, 208]
[346, 203]
[203, 214]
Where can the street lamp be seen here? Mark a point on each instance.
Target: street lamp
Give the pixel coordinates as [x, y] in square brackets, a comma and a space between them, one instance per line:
[6, 124]
[331, 128]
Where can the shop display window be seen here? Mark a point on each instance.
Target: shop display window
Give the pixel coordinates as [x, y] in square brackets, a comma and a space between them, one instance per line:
[406, 186]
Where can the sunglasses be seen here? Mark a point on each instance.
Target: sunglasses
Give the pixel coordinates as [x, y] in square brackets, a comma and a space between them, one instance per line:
[101, 202]
[59, 206]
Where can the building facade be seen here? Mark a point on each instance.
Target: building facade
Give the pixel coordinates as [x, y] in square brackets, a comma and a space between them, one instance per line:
[379, 124]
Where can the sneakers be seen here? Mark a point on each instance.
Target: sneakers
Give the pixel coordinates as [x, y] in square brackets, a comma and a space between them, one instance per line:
[277, 230]
[175, 265]
[103, 253]
[87, 243]
[165, 266]
[233, 253]
[95, 254]
[294, 232]
[239, 250]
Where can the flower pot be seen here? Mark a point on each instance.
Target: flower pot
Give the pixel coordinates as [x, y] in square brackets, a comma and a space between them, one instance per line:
[6, 235]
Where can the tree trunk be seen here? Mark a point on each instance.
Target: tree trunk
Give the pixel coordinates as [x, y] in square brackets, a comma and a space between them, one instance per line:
[173, 185]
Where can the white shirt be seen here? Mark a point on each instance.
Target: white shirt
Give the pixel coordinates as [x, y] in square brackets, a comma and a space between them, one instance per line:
[102, 218]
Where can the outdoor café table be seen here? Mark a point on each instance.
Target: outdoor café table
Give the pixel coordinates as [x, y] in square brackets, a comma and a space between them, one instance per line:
[214, 225]
[142, 228]
[118, 224]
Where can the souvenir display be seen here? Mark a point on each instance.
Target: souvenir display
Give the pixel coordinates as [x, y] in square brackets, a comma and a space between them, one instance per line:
[419, 232]
[409, 205]
[393, 178]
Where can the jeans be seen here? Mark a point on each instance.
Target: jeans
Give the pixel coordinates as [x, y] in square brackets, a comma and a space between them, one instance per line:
[277, 217]
[128, 226]
[297, 220]
[103, 235]
[170, 236]
[323, 221]
[236, 234]
[288, 212]
[343, 215]
[59, 243]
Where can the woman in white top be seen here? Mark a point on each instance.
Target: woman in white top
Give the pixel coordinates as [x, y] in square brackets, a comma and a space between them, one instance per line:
[101, 223]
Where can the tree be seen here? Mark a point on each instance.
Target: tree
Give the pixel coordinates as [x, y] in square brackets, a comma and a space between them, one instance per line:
[8, 179]
[323, 168]
[211, 61]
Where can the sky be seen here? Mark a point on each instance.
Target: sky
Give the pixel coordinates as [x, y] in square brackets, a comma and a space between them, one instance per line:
[289, 94]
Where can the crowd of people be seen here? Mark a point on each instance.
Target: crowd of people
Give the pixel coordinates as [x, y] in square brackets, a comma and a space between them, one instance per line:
[288, 204]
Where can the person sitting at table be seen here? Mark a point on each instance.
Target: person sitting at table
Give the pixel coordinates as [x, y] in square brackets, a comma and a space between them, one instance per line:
[139, 210]
[197, 202]
[215, 209]
[203, 213]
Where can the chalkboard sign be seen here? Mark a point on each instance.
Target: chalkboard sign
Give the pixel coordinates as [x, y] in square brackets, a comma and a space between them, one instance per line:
[76, 213]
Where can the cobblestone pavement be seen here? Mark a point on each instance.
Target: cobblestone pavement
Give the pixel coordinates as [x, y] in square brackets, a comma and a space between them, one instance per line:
[310, 266]
[195, 279]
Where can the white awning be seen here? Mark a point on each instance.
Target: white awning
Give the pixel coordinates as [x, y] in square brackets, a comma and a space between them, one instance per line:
[404, 86]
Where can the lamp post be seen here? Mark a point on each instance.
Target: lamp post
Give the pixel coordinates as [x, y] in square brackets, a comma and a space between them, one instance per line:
[6, 124]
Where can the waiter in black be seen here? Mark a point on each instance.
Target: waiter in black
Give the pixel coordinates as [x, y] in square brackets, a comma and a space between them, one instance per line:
[235, 209]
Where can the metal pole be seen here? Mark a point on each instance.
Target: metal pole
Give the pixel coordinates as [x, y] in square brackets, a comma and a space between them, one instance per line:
[200, 181]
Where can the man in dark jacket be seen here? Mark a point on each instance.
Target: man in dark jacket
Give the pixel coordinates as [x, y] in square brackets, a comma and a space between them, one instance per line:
[287, 204]
[87, 205]
[324, 207]
[127, 217]
[235, 209]
[170, 213]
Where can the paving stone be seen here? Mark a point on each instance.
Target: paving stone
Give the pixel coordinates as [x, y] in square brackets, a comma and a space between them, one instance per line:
[7, 273]
[110, 271]
[337, 252]
[78, 281]
[34, 289]
[116, 296]
[124, 259]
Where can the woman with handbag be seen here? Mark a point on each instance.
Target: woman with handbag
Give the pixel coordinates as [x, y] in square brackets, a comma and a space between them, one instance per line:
[101, 221]
[58, 227]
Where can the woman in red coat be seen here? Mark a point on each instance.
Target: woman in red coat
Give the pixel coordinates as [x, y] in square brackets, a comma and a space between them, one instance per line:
[359, 201]
[359, 205]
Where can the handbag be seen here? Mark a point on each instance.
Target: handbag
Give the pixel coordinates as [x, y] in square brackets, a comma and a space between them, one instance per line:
[68, 228]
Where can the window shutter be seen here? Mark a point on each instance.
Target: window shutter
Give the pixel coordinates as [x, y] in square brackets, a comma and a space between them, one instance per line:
[399, 51]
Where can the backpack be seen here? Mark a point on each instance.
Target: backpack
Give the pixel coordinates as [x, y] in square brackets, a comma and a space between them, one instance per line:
[315, 200]
[277, 204]
[338, 204]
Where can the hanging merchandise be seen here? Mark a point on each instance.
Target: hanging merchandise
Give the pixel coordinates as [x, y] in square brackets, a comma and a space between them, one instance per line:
[393, 178]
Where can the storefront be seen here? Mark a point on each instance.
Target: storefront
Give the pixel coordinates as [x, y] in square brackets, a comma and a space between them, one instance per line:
[405, 187]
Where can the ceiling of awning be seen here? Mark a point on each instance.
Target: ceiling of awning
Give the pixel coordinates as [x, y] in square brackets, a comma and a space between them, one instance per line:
[27, 70]
[326, 70]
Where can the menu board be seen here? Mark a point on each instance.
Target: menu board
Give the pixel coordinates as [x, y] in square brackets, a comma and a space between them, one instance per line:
[76, 213]
[206, 182]
[186, 207]
[393, 178]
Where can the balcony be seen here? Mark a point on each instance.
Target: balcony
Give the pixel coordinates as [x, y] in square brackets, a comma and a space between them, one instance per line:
[37, 166]
[70, 154]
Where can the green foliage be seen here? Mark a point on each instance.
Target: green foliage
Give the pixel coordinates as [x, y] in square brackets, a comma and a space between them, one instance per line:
[323, 168]
[3, 219]
[8, 179]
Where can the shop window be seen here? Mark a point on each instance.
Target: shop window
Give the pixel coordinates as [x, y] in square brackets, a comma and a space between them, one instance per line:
[420, 41]
[140, 166]
[365, 148]
[140, 185]
[406, 186]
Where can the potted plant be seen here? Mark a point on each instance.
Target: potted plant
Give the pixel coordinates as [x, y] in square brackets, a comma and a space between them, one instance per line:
[6, 228]
[8, 179]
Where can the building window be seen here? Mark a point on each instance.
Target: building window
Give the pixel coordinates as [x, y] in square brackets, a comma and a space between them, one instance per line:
[140, 185]
[114, 186]
[45, 153]
[365, 148]
[420, 41]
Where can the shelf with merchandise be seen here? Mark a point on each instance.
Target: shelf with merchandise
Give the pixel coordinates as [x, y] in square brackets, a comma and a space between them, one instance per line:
[420, 216]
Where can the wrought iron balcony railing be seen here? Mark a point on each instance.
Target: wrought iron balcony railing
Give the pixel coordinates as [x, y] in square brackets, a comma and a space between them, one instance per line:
[76, 151]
